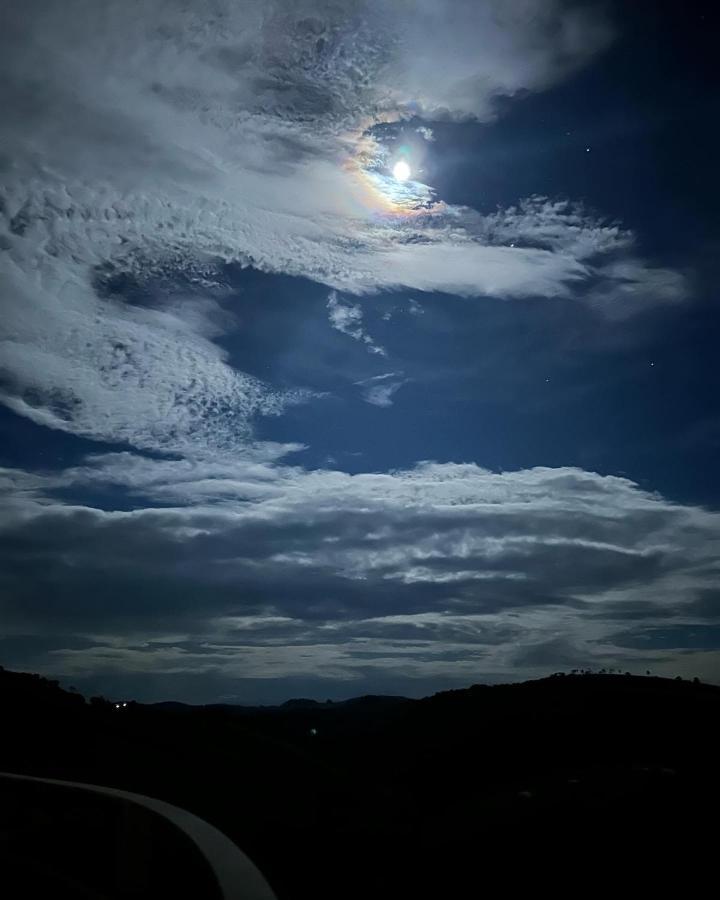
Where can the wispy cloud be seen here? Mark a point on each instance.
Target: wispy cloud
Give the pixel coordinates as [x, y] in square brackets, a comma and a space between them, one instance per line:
[380, 389]
[150, 137]
[347, 318]
[439, 570]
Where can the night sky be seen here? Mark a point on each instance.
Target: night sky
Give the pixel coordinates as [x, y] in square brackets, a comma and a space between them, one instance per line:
[276, 422]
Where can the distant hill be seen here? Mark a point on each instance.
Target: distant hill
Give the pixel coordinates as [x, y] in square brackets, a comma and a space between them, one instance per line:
[390, 798]
[20, 688]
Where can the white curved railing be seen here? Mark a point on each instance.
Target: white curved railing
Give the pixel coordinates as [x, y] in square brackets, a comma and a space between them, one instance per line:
[232, 874]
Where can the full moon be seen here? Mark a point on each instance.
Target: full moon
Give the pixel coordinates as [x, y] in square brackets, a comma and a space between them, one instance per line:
[401, 170]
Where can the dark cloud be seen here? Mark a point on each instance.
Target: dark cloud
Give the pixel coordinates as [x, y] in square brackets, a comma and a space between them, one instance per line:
[705, 604]
[272, 571]
[683, 637]
[558, 653]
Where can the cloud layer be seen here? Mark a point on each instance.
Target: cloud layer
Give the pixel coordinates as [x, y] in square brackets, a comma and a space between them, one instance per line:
[153, 143]
[262, 571]
[150, 138]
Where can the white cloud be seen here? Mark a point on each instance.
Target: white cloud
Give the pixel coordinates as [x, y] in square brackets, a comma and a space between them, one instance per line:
[347, 318]
[146, 137]
[489, 50]
[626, 286]
[555, 225]
[382, 394]
[379, 389]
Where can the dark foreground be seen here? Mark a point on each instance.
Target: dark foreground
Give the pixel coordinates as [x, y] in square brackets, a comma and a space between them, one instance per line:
[567, 783]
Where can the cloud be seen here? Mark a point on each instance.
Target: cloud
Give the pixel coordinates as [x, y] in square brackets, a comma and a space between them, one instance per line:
[149, 144]
[143, 139]
[257, 570]
[379, 389]
[618, 283]
[628, 286]
[382, 394]
[347, 318]
[143, 377]
[489, 50]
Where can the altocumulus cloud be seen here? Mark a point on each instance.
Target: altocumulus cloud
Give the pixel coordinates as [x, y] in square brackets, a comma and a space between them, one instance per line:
[146, 137]
[266, 572]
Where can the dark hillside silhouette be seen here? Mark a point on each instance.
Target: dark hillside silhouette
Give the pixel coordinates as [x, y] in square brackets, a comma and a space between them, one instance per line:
[390, 797]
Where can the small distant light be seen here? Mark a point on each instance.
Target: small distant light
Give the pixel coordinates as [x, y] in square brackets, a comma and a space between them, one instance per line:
[124, 704]
[587, 149]
[313, 731]
[117, 706]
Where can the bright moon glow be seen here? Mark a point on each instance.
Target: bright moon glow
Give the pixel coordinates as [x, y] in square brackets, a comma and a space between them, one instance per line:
[401, 170]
